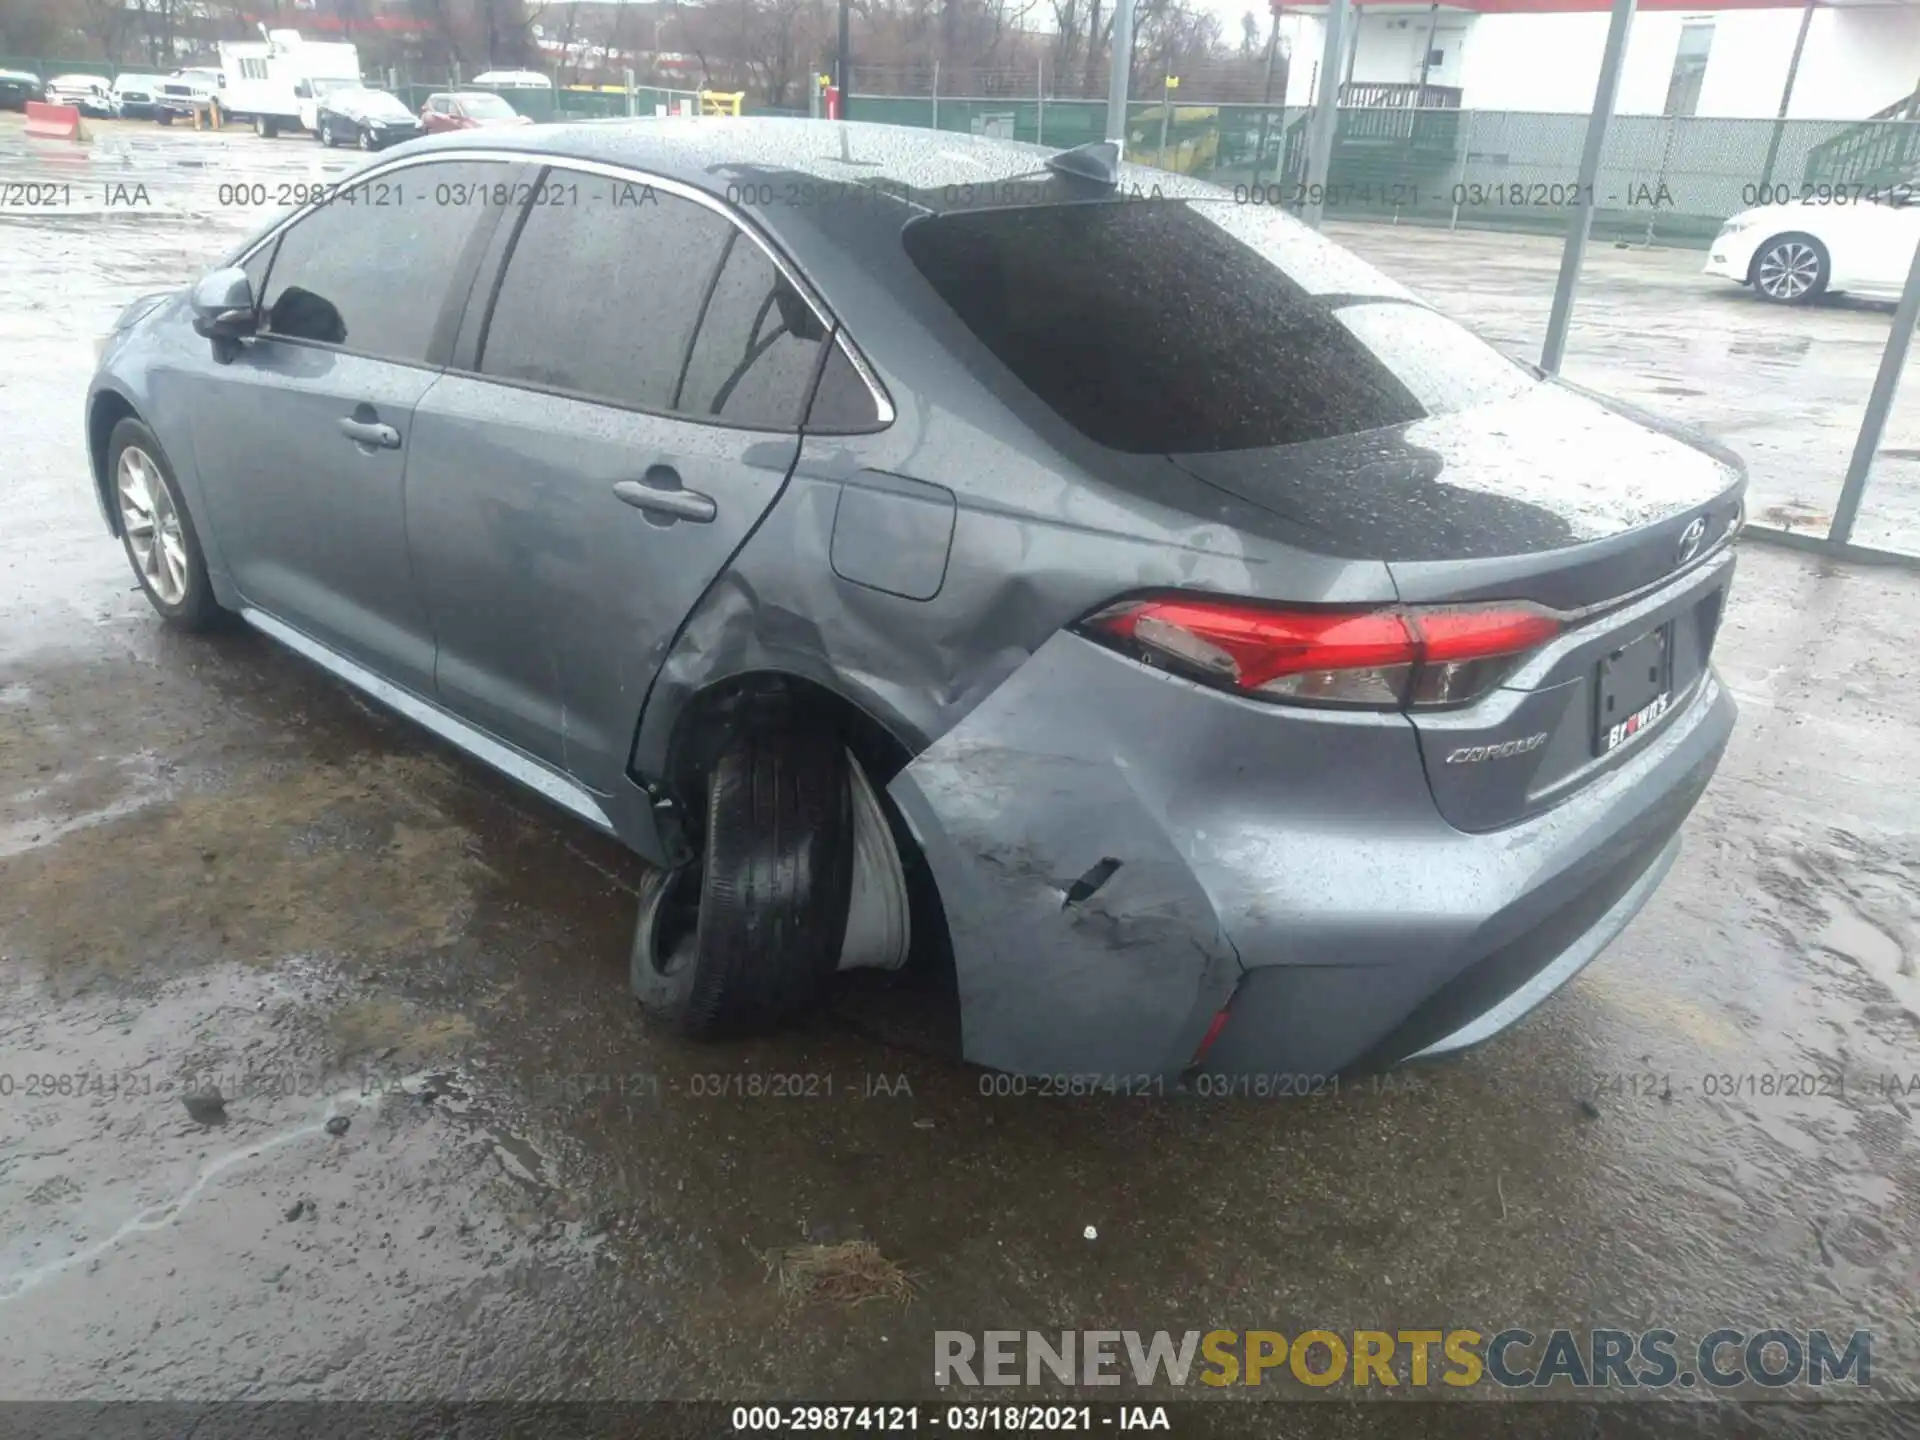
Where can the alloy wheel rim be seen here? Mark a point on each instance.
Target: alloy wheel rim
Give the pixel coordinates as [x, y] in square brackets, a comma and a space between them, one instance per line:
[151, 521]
[1788, 270]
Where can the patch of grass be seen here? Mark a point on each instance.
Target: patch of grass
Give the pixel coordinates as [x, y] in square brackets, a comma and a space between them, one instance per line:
[850, 1273]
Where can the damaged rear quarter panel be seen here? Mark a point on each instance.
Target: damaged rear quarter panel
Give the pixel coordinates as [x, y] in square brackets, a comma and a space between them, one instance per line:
[1045, 529]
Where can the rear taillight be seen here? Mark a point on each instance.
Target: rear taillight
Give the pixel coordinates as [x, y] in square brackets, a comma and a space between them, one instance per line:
[1413, 656]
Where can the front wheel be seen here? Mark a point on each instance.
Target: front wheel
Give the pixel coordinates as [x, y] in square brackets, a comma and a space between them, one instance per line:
[746, 937]
[158, 534]
[1791, 269]
[366, 140]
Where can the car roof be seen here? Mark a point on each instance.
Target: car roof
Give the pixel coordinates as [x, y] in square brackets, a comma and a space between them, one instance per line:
[932, 171]
[78, 77]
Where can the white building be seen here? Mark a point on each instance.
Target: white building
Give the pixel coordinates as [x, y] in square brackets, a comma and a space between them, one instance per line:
[1727, 59]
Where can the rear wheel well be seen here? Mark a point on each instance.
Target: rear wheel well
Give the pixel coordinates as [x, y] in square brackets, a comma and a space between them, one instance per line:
[109, 409]
[708, 724]
[717, 715]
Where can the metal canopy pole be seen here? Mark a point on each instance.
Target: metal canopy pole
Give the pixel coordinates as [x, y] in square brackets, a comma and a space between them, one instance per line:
[1581, 223]
[1266, 99]
[843, 64]
[1325, 116]
[1886, 385]
[1786, 97]
[1122, 73]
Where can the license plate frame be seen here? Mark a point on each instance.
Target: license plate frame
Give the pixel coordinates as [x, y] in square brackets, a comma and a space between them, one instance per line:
[1633, 689]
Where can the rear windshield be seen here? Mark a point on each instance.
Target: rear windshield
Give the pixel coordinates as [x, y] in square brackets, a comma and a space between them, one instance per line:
[1188, 326]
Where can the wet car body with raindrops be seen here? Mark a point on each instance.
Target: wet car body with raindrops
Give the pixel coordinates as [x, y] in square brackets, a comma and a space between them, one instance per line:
[1224, 712]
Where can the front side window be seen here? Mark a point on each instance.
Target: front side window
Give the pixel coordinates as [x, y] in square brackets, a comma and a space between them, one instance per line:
[369, 270]
[603, 289]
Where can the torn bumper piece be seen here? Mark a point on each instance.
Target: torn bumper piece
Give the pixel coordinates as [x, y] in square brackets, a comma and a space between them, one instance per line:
[1121, 853]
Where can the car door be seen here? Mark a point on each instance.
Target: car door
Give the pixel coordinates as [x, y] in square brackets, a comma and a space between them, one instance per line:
[1888, 234]
[612, 430]
[301, 436]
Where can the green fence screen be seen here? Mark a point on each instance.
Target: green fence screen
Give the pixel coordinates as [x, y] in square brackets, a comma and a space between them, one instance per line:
[1666, 179]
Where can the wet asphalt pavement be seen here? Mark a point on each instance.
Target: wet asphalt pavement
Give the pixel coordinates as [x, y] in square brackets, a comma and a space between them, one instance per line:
[217, 867]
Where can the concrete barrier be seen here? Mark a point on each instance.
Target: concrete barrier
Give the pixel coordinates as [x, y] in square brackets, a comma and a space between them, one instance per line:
[52, 122]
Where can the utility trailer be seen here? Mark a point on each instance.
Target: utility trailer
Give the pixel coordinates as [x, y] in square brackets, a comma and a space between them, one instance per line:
[276, 83]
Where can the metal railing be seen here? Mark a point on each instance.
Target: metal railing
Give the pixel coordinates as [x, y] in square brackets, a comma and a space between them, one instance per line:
[1371, 94]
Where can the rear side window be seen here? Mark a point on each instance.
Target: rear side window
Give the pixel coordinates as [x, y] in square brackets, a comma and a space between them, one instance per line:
[758, 348]
[603, 290]
[842, 403]
[369, 271]
[1157, 327]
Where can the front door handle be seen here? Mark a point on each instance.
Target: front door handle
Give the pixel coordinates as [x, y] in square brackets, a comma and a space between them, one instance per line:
[370, 432]
[661, 494]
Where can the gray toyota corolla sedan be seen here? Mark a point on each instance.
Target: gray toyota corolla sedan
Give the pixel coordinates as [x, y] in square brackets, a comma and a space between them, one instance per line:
[930, 550]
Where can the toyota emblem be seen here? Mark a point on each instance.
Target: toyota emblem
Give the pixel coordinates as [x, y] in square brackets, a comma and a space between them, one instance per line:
[1691, 538]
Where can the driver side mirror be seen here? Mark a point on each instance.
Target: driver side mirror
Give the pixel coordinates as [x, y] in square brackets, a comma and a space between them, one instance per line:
[223, 305]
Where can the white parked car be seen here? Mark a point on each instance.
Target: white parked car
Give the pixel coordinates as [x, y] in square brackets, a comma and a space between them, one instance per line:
[1793, 253]
[90, 94]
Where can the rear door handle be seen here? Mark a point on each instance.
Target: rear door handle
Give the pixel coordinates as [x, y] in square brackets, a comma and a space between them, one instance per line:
[370, 432]
[661, 493]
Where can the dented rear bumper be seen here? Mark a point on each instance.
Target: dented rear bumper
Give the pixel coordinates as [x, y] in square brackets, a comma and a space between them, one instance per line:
[1122, 853]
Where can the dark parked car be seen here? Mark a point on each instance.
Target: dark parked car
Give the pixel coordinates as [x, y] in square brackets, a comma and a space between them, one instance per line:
[371, 119]
[467, 110]
[926, 548]
[17, 87]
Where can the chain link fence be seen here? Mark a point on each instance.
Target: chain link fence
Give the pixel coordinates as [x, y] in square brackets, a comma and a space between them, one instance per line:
[1664, 179]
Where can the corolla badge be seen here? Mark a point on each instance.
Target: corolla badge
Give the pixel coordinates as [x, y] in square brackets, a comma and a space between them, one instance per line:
[1691, 539]
[1473, 754]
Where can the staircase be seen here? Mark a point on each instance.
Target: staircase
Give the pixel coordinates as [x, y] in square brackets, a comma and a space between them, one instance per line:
[1385, 137]
[1883, 149]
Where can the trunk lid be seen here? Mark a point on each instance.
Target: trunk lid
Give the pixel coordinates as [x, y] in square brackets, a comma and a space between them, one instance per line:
[1617, 521]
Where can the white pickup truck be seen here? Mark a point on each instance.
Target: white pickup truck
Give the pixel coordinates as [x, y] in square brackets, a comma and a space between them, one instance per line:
[276, 83]
[184, 91]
